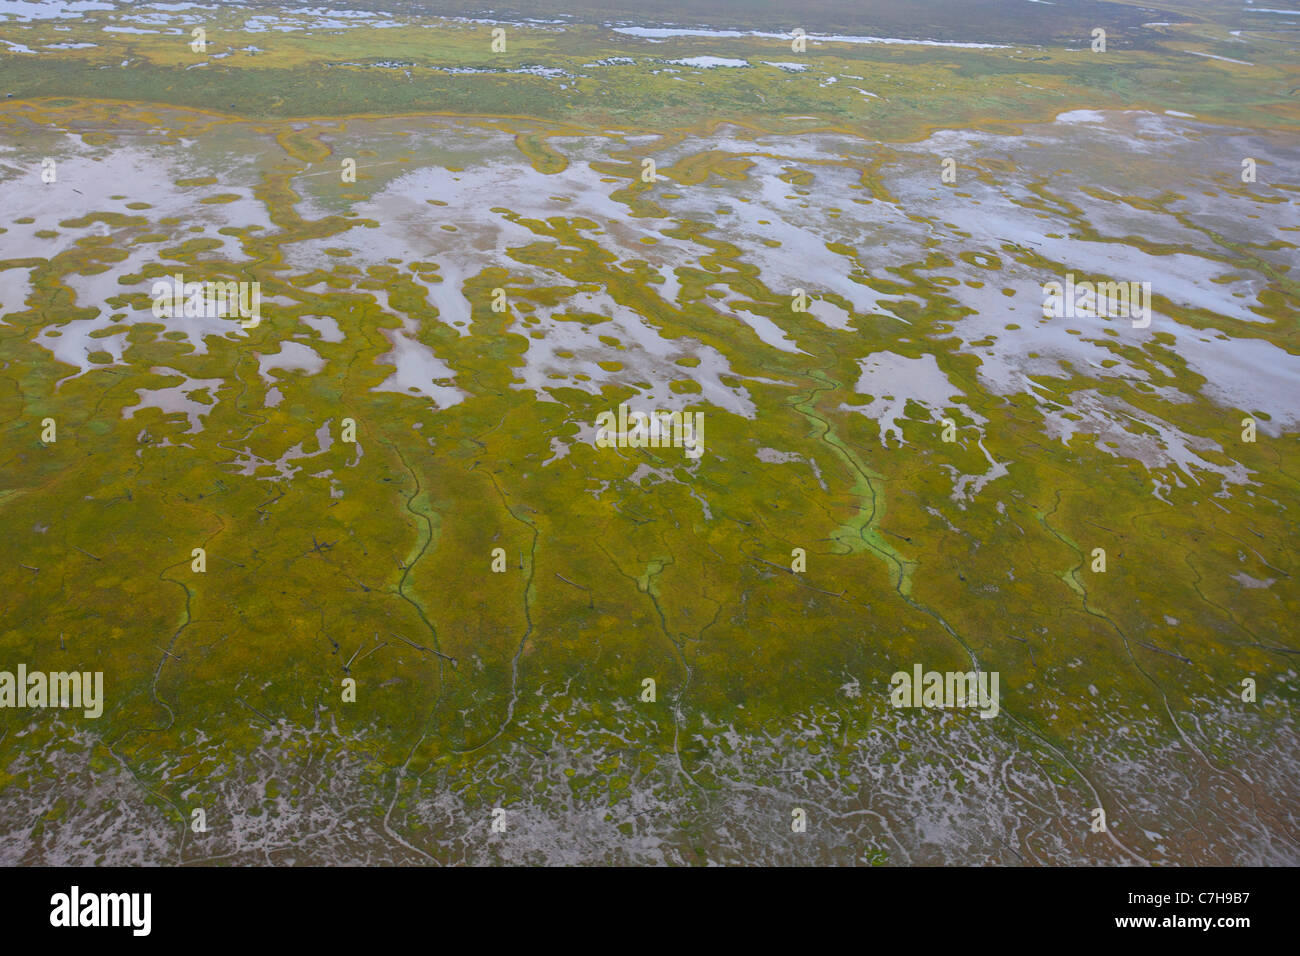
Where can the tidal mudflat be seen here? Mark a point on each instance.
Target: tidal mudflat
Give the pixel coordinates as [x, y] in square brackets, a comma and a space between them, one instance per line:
[428, 593]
